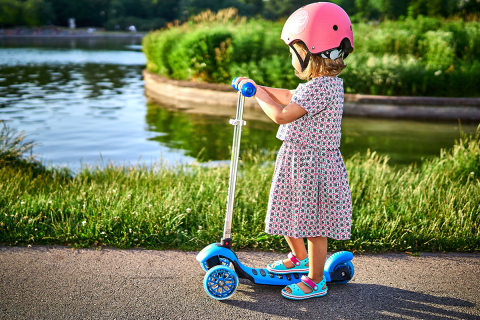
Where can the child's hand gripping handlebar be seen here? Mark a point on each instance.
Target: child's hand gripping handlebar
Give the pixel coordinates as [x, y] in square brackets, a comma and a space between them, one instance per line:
[248, 89]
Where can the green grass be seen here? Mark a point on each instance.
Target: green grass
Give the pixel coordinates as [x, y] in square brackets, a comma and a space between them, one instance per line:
[432, 208]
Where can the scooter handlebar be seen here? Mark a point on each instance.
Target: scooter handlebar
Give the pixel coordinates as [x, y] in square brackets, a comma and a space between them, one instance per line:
[248, 89]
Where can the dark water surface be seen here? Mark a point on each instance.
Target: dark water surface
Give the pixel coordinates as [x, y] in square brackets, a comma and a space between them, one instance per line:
[83, 100]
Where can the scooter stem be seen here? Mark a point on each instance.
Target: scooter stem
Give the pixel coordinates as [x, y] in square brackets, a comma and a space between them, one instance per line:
[238, 122]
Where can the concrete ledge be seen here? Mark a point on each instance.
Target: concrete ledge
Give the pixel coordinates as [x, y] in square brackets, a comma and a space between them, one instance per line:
[467, 114]
[195, 96]
[185, 94]
[411, 101]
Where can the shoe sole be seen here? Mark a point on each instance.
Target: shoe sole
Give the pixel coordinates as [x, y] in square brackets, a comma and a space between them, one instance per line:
[292, 270]
[306, 296]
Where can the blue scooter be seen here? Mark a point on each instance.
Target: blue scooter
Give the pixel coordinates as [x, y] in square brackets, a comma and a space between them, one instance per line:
[220, 262]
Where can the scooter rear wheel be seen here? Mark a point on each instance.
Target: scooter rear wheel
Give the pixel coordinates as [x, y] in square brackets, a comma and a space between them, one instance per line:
[220, 282]
[350, 267]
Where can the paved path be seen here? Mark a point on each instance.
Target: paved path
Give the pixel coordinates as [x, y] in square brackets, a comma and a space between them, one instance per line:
[53, 282]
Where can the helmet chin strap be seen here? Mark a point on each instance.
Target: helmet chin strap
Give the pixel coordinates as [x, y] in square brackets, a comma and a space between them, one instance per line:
[328, 54]
[303, 63]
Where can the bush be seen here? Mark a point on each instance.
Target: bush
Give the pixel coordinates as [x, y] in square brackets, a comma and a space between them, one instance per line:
[391, 75]
[414, 57]
[202, 55]
[157, 47]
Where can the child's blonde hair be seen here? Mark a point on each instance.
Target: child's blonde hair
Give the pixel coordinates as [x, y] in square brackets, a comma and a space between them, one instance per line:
[319, 66]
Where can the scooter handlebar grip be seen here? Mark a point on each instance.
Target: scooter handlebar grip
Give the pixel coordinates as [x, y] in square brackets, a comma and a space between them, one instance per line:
[248, 89]
[233, 83]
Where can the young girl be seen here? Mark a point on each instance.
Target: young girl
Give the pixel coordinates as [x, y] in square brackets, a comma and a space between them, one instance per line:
[310, 194]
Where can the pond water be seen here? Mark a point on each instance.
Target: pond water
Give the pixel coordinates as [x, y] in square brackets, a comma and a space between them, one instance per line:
[83, 100]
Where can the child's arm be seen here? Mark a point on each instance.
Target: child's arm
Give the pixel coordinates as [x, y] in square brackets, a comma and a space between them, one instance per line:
[281, 96]
[271, 106]
[276, 112]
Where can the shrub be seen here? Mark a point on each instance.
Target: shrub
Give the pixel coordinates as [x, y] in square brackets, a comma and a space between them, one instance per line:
[423, 56]
[157, 47]
[202, 55]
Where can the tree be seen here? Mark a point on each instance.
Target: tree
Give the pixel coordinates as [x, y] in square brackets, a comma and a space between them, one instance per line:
[10, 12]
[193, 7]
[37, 12]
[275, 9]
[256, 5]
[85, 12]
[432, 7]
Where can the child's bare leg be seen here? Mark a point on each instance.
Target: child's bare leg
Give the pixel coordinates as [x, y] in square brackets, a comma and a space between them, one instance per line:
[317, 251]
[317, 248]
[298, 248]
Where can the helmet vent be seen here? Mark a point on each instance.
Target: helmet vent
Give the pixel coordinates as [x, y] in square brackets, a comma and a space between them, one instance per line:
[335, 27]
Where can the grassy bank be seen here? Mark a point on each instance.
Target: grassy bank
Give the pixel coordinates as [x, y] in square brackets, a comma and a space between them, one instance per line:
[432, 208]
[413, 57]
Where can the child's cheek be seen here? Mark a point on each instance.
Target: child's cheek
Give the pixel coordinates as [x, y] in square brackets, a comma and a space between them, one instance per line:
[296, 64]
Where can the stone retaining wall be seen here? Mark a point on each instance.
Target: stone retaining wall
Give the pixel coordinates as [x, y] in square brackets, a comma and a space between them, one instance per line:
[190, 95]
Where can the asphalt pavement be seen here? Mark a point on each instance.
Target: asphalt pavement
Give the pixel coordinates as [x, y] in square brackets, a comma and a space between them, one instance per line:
[55, 282]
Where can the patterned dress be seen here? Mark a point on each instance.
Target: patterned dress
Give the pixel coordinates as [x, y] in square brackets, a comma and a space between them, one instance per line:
[310, 194]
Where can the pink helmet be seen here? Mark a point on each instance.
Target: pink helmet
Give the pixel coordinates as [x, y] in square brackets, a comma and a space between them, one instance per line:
[324, 27]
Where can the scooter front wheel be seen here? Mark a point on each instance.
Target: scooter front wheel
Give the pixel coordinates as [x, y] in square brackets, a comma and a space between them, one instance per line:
[225, 262]
[220, 282]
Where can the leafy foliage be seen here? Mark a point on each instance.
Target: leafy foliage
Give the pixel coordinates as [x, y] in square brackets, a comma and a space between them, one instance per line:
[202, 55]
[29, 12]
[418, 57]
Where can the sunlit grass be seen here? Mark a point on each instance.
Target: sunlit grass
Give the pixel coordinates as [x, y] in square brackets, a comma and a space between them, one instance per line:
[432, 208]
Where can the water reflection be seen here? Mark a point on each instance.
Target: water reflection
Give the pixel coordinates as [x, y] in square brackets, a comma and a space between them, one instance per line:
[31, 86]
[207, 136]
[403, 141]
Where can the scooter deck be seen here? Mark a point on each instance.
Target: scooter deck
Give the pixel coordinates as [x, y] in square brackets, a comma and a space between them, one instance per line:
[262, 275]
